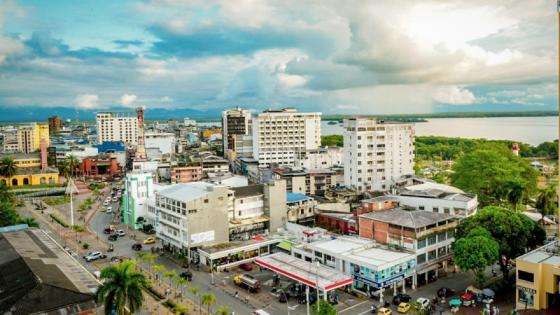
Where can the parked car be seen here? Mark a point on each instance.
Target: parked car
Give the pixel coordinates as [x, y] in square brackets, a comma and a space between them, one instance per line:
[187, 275]
[445, 292]
[106, 203]
[467, 298]
[424, 302]
[91, 256]
[108, 230]
[120, 233]
[401, 297]
[137, 247]
[113, 237]
[384, 311]
[115, 199]
[150, 240]
[246, 266]
[373, 309]
[403, 307]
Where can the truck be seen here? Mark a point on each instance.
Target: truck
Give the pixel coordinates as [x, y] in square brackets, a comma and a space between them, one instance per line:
[247, 281]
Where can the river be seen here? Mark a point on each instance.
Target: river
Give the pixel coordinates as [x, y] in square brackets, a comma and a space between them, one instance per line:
[531, 130]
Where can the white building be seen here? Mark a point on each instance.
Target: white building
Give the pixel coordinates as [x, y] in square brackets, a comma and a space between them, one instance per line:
[376, 153]
[139, 187]
[436, 197]
[117, 126]
[237, 133]
[321, 158]
[164, 141]
[190, 215]
[279, 136]
[189, 122]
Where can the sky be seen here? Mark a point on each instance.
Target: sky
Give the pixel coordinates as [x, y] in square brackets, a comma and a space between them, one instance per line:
[337, 57]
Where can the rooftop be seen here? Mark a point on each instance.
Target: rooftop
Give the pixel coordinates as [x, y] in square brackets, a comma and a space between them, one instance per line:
[437, 193]
[187, 192]
[437, 186]
[35, 268]
[410, 219]
[246, 191]
[547, 254]
[296, 197]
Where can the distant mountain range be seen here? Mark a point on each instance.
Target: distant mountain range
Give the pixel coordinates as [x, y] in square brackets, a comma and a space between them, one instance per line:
[19, 114]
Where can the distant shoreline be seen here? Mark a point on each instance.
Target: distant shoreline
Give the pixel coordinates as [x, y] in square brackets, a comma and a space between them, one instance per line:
[392, 117]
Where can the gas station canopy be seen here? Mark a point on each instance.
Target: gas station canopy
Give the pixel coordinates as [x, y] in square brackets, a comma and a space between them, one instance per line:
[318, 277]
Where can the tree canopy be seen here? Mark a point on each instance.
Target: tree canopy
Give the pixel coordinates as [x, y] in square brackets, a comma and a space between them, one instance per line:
[496, 176]
[476, 251]
[513, 231]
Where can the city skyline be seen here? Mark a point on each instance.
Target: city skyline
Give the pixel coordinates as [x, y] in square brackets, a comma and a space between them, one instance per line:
[386, 57]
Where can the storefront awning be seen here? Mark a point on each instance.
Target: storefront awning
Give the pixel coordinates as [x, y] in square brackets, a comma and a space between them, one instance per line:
[285, 245]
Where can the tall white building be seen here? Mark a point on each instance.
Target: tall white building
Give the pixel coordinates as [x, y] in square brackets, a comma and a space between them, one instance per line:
[279, 136]
[164, 141]
[236, 133]
[321, 158]
[117, 126]
[376, 153]
[139, 187]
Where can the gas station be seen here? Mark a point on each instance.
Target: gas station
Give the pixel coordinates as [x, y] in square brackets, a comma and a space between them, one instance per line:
[317, 276]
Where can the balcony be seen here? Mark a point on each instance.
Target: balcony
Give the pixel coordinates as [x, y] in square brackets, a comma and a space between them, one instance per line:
[440, 228]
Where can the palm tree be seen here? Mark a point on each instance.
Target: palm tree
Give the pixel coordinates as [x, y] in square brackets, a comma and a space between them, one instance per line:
[170, 275]
[71, 162]
[158, 269]
[547, 201]
[122, 288]
[196, 291]
[6, 194]
[223, 310]
[208, 299]
[8, 167]
[181, 283]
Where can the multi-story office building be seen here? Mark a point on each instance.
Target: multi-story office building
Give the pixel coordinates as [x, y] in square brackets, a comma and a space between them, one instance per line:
[190, 215]
[428, 234]
[279, 136]
[55, 124]
[376, 153]
[139, 186]
[186, 174]
[309, 182]
[236, 132]
[29, 137]
[117, 126]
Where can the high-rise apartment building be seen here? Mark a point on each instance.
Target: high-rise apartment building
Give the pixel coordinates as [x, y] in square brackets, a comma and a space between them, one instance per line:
[279, 136]
[117, 126]
[55, 124]
[376, 153]
[29, 137]
[236, 132]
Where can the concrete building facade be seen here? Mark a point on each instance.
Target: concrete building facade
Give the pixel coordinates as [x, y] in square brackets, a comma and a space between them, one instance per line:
[164, 141]
[29, 137]
[117, 126]
[279, 136]
[376, 153]
[139, 187]
[236, 132]
[322, 158]
[186, 174]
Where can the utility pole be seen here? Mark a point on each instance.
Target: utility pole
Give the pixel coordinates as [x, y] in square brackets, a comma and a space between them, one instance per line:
[558, 100]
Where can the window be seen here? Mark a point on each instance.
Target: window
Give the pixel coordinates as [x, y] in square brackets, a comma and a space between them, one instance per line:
[432, 240]
[421, 243]
[205, 200]
[420, 207]
[525, 276]
[432, 255]
[420, 259]
[446, 210]
[435, 209]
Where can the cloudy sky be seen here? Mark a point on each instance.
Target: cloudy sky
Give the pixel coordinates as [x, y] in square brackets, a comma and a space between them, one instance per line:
[332, 56]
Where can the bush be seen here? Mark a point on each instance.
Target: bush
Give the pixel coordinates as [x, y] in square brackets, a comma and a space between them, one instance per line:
[57, 201]
[85, 245]
[78, 228]
[175, 308]
[59, 220]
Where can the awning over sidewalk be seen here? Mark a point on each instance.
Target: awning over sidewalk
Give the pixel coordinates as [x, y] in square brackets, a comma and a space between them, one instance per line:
[321, 277]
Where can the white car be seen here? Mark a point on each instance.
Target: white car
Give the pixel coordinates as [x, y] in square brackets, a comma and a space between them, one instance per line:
[424, 302]
[109, 209]
[106, 203]
[115, 199]
[120, 233]
[91, 256]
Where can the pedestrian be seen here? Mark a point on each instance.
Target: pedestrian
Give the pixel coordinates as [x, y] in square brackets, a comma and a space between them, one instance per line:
[236, 295]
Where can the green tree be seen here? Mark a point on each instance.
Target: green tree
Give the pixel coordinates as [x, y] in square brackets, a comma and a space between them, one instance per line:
[159, 269]
[504, 225]
[6, 194]
[171, 274]
[8, 167]
[122, 287]
[208, 299]
[8, 215]
[181, 282]
[475, 252]
[196, 292]
[417, 309]
[223, 310]
[547, 201]
[325, 308]
[496, 176]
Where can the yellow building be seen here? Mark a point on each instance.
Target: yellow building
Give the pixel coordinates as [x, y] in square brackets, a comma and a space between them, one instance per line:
[538, 278]
[29, 137]
[209, 132]
[30, 172]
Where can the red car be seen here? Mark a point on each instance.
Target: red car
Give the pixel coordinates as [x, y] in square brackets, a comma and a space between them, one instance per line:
[246, 266]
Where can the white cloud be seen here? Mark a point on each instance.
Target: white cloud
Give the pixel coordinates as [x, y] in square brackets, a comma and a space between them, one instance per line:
[166, 99]
[453, 95]
[86, 101]
[128, 99]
